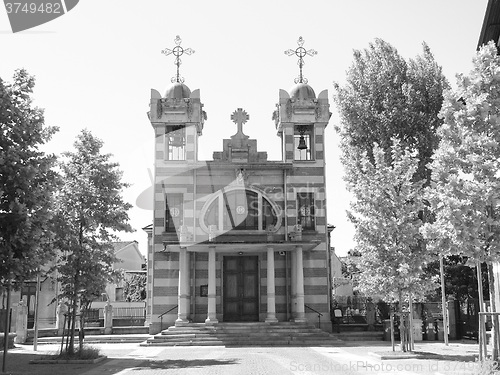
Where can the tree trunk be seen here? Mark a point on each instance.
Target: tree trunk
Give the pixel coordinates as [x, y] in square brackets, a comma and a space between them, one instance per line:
[412, 338]
[71, 348]
[67, 333]
[6, 330]
[402, 329]
[481, 329]
[81, 333]
[495, 322]
[392, 328]
[443, 301]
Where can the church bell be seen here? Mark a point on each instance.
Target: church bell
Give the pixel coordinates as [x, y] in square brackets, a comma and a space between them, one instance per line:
[302, 143]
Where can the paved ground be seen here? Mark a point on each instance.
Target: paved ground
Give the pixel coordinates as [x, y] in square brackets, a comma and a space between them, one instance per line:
[352, 358]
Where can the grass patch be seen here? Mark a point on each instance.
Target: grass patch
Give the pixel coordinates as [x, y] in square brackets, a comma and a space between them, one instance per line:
[87, 352]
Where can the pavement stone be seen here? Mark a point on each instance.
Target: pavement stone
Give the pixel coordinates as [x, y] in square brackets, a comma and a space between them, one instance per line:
[130, 358]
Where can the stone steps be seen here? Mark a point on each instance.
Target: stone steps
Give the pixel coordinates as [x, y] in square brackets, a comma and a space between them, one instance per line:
[243, 334]
[360, 336]
[94, 339]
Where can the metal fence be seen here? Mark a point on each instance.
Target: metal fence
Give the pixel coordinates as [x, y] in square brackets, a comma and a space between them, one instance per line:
[354, 308]
[129, 313]
[122, 316]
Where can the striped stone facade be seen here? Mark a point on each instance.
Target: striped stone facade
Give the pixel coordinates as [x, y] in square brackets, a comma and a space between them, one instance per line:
[209, 213]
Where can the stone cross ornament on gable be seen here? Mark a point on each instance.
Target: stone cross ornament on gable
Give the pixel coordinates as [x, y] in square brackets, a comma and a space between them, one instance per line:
[239, 117]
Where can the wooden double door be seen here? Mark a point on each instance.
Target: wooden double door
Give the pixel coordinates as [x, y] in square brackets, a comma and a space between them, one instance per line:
[241, 289]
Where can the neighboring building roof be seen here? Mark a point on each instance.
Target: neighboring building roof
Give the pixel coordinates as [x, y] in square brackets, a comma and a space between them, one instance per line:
[491, 24]
[120, 246]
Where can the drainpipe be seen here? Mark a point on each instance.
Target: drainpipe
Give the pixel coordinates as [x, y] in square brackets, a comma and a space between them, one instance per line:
[287, 284]
[286, 204]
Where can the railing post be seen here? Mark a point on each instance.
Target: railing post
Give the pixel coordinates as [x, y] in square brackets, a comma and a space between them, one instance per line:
[21, 323]
[392, 330]
[108, 319]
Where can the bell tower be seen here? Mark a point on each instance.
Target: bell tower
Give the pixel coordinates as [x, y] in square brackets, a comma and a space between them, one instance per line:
[301, 118]
[177, 117]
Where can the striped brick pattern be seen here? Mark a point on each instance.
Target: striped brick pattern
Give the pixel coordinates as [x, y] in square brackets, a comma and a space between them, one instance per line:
[199, 182]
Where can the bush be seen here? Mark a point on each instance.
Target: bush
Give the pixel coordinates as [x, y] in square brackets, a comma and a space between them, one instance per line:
[87, 352]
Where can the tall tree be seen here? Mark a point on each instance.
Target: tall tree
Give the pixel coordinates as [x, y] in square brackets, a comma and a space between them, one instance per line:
[464, 194]
[90, 211]
[27, 183]
[385, 96]
[385, 210]
[389, 102]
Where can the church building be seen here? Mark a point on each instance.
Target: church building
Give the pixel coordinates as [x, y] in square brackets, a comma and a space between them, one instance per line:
[239, 238]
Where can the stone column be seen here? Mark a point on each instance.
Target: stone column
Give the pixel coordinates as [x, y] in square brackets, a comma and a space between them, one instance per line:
[452, 318]
[108, 319]
[293, 283]
[300, 315]
[212, 302]
[183, 300]
[61, 310]
[21, 323]
[271, 297]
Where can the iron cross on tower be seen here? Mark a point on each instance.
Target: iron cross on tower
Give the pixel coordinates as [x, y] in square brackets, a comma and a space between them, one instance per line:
[239, 117]
[177, 51]
[300, 52]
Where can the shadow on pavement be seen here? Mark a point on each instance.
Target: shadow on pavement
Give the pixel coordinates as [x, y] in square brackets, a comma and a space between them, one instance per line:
[183, 363]
[18, 364]
[447, 357]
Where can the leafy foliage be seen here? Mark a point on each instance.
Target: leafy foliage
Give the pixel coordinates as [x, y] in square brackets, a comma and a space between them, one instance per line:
[386, 97]
[135, 287]
[465, 172]
[27, 182]
[459, 278]
[90, 210]
[389, 115]
[465, 178]
[385, 210]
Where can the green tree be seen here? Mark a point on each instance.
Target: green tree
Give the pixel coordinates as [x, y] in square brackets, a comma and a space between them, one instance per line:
[350, 267]
[465, 179]
[135, 287]
[460, 279]
[90, 211]
[385, 97]
[27, 183]
[388, 101]
[385, 212]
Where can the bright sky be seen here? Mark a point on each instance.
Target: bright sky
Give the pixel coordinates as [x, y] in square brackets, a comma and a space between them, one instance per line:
[95, 66]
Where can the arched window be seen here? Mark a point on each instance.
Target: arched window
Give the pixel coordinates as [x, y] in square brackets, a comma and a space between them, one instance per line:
[212, 216]
[240, 209]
